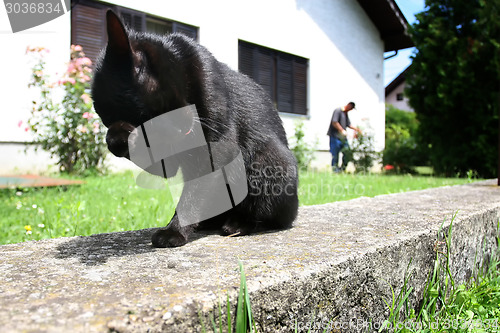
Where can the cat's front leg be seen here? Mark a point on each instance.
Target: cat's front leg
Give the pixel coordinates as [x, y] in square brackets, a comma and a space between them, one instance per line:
[173, 235]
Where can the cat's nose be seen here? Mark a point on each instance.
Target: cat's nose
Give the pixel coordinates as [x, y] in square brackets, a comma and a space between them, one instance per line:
[117, 138]
[117, 146]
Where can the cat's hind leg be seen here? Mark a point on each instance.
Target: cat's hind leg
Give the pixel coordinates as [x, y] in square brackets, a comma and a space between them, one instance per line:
[238, 225]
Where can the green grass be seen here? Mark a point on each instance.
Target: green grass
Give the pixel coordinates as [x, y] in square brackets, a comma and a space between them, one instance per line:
[103, 204]
[243, 321]
[320, 187]
[115, 203]
[446, 306]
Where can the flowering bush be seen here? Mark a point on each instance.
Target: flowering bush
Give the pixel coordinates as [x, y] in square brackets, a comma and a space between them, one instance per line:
[362, 152]
[304, 152]
[69, 129]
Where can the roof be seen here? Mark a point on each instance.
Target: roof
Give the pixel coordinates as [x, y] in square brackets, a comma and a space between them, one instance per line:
[396, 82]
[390, 21]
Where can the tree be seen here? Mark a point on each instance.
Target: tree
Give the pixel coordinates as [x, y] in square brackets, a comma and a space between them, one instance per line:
[453, 84]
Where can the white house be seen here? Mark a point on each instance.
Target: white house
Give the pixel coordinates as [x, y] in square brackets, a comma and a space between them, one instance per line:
[394, 92]
[311, 55]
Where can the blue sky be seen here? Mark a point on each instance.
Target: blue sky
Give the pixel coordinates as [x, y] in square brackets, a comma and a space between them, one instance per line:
[396, 65]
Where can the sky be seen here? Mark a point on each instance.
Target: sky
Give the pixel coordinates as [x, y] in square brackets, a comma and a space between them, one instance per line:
[397, 64]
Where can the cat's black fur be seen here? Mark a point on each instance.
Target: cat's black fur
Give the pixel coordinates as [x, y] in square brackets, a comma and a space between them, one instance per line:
[140, 76]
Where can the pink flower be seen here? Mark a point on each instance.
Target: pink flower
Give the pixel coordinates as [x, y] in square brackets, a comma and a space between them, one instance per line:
[96, 128]
[83, 62]
[86, 99]
[66, 80]
[19, 123]
[71, 67]
[88, 115]
[70, 80]
[26, 129]
[77, 48]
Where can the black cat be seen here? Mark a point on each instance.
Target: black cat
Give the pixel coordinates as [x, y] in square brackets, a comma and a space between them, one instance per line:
[140, 76]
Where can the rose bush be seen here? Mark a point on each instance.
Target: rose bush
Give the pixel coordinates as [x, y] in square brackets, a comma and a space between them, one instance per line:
[68, 128]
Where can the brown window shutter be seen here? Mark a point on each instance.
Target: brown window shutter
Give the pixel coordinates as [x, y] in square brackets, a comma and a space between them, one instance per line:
[258, 64]
[264, 65]
[300, 86]
[185, 29]
[282, 75]
[284, 83]
[87, 29]
[133, 19]
[246, 59]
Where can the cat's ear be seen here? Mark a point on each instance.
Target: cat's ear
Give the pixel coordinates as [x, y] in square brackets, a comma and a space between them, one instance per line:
[118, 42]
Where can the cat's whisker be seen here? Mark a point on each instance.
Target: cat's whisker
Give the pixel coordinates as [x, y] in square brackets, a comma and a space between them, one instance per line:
[205, 124]
[214, 122]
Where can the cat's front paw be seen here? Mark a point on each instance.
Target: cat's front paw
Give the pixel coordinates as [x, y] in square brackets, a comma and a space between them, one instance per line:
[168, 238]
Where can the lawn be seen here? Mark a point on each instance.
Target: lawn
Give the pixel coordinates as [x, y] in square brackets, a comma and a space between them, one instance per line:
[318, 187]
[103, 204]
[115, 203]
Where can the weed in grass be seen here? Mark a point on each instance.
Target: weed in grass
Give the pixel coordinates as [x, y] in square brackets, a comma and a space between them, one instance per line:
[243, 317]
[244, 321]
[446, 306]
[399, 305]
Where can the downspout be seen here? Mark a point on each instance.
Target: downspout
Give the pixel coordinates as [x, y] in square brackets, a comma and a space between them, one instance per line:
[392, 55]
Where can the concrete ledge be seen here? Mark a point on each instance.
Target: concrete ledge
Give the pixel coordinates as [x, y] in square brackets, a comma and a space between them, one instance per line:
[335, 264]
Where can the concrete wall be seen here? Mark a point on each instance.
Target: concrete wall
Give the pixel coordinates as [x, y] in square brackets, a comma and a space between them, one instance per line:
[344, 49]
[336, 266]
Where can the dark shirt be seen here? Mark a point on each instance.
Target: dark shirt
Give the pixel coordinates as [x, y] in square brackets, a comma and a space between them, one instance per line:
[342, 118]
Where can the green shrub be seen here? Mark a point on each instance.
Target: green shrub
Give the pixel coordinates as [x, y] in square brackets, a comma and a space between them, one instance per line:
[304, 152]
[401, 149]
[68, 129]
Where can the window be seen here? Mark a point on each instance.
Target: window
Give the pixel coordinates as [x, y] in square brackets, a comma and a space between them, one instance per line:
[88, 24]
[400, 97]
[283, 76]
[159, 27]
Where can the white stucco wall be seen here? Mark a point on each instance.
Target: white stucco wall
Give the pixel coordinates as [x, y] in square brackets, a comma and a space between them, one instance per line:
[16, 97]
[343, 46]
